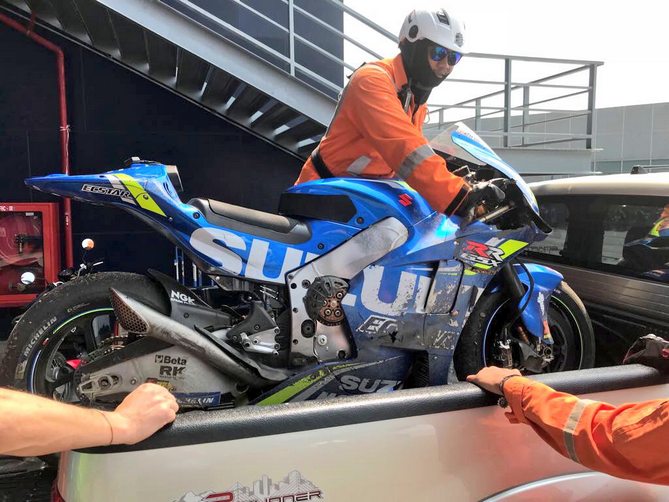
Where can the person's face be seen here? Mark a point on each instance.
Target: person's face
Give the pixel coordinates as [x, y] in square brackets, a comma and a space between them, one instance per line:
[665, 212]
[442, 60]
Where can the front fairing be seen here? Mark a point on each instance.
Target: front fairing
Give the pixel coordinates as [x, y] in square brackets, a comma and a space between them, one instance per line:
[461, 142]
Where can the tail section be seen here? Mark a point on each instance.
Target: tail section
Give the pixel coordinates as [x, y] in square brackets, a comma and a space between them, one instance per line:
[145, 187]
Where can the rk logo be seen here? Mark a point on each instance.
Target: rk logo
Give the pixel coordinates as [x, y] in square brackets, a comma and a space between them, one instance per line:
[172, 371]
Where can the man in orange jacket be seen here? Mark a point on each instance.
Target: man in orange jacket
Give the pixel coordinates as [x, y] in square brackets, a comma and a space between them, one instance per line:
[376, 131]
[626, 441]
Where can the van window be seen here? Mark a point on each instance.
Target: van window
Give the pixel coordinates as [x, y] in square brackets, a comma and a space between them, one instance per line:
[636, 239]
[625, 223]
[556, 214]
[615, 234]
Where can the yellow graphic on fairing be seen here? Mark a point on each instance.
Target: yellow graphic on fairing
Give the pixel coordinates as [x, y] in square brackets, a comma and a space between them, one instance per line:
[295, 388]
[140, 195]
[482, 266]
[512, 246]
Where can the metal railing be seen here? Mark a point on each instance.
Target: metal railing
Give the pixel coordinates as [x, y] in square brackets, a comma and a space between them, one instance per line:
[297, 27]
[518, 125]
[284, 53]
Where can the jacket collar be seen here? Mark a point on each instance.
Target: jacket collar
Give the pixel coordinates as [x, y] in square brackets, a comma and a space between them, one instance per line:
[398, 71]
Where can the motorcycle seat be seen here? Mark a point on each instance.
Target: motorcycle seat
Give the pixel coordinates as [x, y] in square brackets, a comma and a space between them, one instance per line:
[338, 208]
[253, 222]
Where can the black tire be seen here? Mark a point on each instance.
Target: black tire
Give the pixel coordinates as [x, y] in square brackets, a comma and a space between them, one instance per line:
[65, 324]
[569, 322]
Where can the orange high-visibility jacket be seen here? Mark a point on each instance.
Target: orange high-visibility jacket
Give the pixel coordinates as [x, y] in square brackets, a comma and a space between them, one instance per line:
[628, 441]
[372, 136]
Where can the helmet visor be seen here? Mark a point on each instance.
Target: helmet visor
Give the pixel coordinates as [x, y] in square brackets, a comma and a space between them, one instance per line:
[439, 53]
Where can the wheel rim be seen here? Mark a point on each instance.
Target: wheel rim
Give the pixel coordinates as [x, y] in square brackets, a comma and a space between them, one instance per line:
[563, 327]
[52, 367]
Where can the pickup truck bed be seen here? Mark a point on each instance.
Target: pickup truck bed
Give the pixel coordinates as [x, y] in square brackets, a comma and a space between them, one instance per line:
[440, 443]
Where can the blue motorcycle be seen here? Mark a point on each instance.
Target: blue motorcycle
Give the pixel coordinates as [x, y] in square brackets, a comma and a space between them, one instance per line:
[357, 287]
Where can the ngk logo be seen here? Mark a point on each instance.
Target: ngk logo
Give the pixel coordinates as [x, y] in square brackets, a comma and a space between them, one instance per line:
[179, 297]
[162, 359]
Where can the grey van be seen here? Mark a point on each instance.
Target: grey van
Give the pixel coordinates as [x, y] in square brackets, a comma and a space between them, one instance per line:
[605, 241]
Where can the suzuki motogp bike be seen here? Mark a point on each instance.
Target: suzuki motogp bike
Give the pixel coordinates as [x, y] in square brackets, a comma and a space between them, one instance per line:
[358, 286]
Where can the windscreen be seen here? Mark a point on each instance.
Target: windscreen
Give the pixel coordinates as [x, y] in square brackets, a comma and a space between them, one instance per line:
[463, 143]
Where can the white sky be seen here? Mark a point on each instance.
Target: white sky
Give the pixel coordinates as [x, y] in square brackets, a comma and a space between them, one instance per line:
[631, 38]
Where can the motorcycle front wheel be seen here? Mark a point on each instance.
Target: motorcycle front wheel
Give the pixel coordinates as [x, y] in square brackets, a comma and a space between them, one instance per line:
[569, 323]
[63, 326]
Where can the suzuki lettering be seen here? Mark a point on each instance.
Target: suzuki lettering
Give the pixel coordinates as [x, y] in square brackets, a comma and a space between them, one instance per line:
[228, 250]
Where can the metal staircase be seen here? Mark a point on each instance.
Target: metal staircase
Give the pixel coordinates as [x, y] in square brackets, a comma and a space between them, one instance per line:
[211, 61]
[276, 68]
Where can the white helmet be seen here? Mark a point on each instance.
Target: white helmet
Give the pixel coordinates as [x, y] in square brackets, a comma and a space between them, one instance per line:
[439, 27]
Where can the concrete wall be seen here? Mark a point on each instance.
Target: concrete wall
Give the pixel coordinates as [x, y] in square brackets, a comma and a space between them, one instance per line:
[624, 137]
[631, 135]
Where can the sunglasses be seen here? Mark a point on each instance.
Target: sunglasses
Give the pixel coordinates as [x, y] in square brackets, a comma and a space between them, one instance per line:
[439, 53]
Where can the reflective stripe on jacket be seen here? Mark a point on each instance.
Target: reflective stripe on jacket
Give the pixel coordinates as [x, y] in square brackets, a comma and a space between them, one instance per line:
[628, 441]
[660, 228]
[373, 137]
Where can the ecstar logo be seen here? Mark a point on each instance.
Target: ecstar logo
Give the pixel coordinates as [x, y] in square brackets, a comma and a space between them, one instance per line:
[102, 190]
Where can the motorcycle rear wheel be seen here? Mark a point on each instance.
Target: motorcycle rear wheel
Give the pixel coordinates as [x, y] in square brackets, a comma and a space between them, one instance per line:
[64, 325]
[570, 326]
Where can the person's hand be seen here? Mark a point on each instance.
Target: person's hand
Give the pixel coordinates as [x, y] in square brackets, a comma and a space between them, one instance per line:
[489, 378]
[145, 410]
[490, 193]
[482, 197]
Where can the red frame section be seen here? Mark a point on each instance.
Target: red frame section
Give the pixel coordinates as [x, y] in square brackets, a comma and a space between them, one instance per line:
[50, 245]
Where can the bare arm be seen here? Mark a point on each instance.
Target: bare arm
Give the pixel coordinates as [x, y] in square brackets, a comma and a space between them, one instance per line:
[33, 425]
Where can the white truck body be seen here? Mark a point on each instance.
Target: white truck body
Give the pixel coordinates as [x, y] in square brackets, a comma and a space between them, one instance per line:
[440, 443]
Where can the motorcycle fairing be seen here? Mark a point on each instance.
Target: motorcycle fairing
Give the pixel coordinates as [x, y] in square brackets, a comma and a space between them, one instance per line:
[345, 262]
[460, 141]
[378, 369]
[414, 275]
[535, 314]
[373, 199]
[413, 300]
[146, 191]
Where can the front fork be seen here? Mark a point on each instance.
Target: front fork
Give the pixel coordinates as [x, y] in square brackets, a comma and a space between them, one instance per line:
[531, 338]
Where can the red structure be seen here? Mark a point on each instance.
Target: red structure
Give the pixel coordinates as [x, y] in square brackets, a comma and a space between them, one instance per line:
[29, 243]
[64, 126]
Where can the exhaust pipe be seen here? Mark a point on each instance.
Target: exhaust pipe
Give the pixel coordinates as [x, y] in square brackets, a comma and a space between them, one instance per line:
[136, 317]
